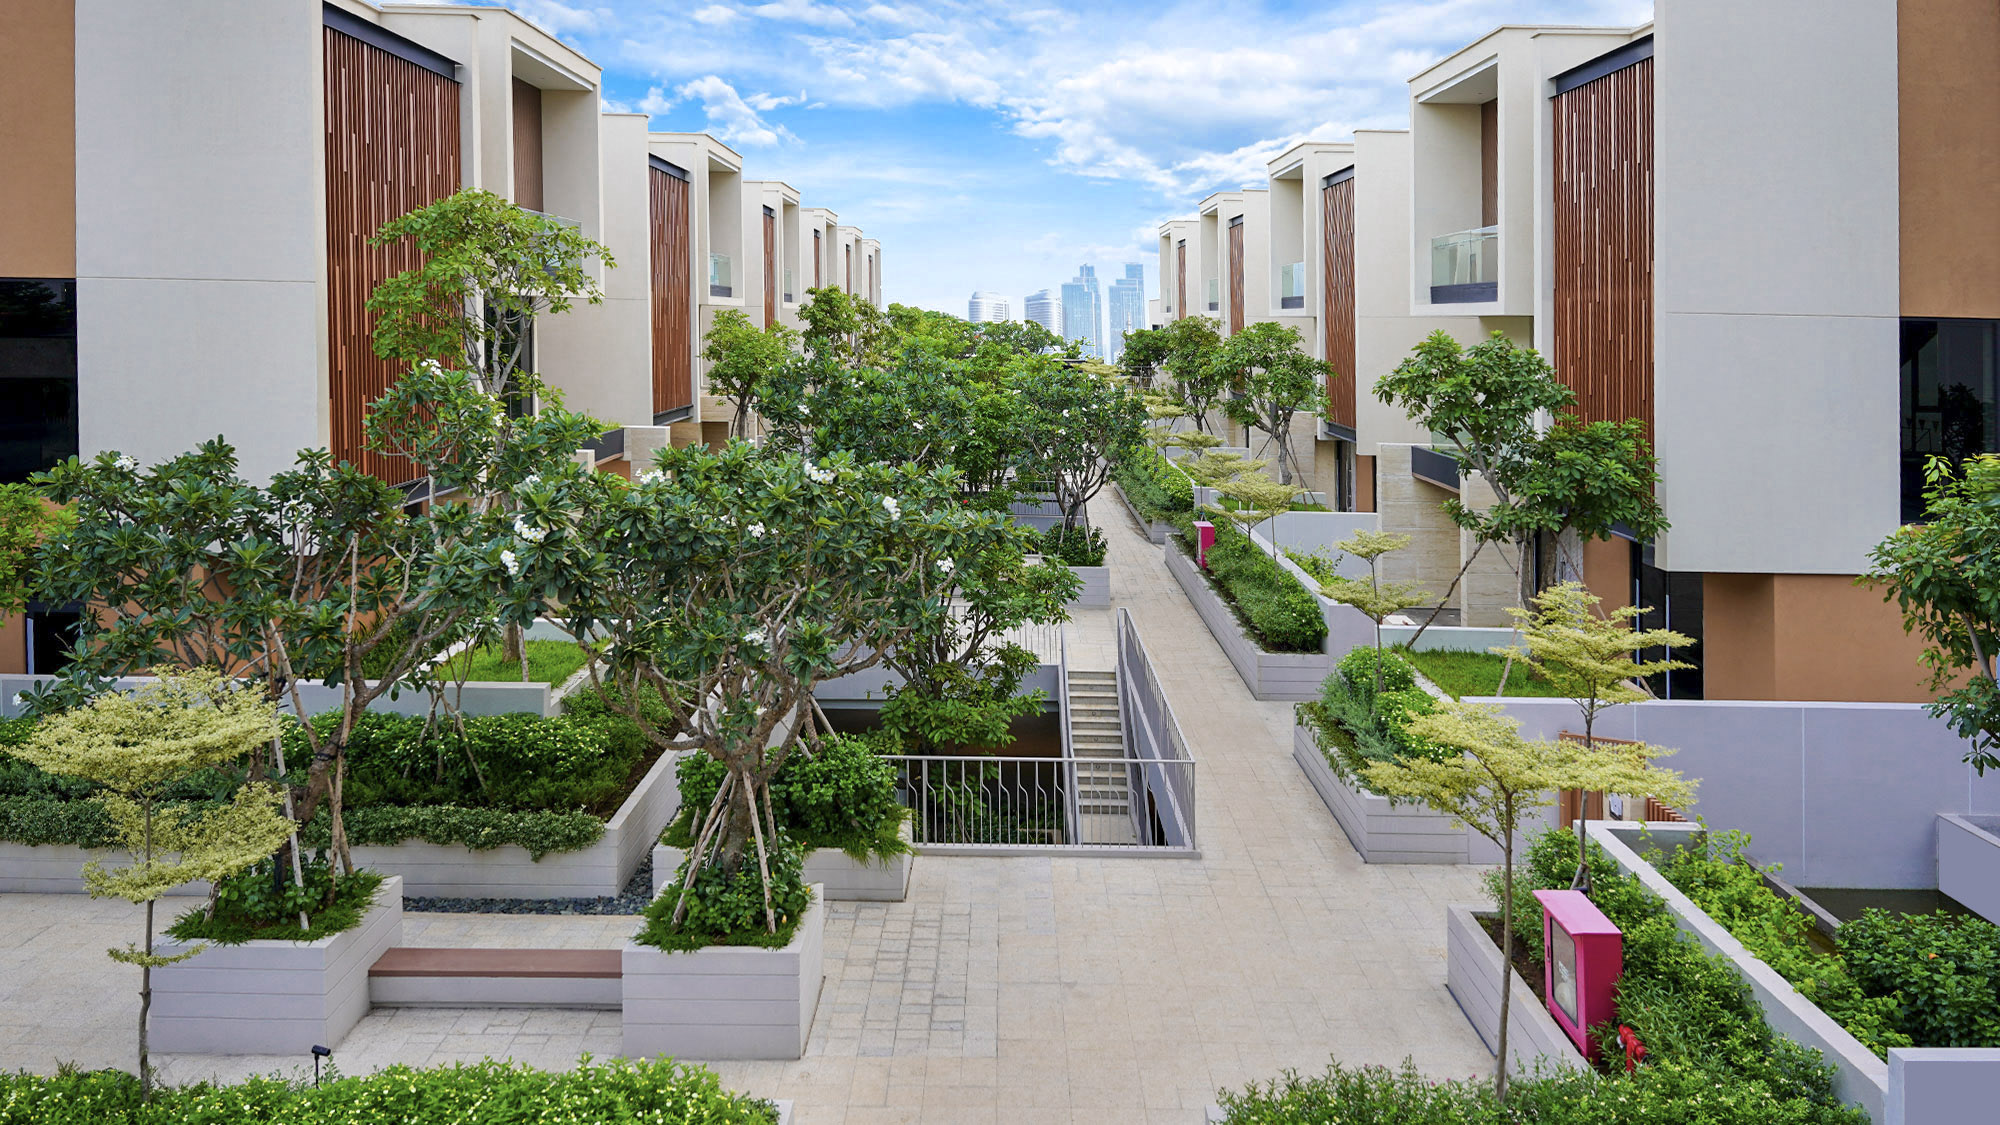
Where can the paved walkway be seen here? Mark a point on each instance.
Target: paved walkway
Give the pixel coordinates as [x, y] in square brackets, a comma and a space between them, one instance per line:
[1005, 990]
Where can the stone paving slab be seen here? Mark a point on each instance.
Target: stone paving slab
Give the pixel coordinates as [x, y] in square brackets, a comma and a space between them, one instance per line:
[1030, 989]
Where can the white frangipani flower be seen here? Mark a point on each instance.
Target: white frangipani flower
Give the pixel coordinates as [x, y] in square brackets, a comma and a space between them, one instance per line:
[894, 509]
[805, 410]
[755, 637]
[512, 564]
[822, 476]
[129, 463]
[947, 565]
[529, 531]
[756, 530]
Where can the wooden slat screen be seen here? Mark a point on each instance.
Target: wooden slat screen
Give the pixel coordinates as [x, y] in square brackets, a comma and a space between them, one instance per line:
[1337, 298]
[673, 294]
[1603, 331]
[1570, 803]
[1236, 279]
[770, 268]
[391, 142]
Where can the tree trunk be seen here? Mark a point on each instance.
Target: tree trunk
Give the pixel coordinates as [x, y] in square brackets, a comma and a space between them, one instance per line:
[1456, 579]
[512, 649]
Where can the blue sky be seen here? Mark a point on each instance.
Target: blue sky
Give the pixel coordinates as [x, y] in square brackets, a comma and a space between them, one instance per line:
[997, 145]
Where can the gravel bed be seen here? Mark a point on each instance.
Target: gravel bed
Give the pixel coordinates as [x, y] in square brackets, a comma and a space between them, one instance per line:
[632, 900]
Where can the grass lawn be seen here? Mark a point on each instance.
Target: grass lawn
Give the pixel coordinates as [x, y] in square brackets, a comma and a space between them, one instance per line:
[549, 662]
[1460, 674]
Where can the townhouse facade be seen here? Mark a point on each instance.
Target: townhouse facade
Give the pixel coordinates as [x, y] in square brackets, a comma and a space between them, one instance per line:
[1682, 230]
[183, 240]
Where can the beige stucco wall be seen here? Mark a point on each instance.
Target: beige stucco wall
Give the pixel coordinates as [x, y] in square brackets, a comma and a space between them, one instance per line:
[600, 355]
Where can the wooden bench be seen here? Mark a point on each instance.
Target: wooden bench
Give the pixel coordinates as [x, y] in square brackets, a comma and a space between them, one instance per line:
[450, 977]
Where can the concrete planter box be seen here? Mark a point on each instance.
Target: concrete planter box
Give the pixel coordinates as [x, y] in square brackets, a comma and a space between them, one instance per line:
[726, 1002]
[1380, 831]
[1915, 1086]
[1096, 592]
[1268, 675]
[438, 870]
[1472, 973]
[1968, 861]
[1156, 531]
[272, 997]
[843, 878]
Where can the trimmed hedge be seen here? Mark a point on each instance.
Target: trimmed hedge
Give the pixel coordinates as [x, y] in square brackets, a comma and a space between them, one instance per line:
[616, 1092]
[53, 820]
[843, 797]
[478, 829]
[1154, 486]
[1280, 614]
[1354, 726]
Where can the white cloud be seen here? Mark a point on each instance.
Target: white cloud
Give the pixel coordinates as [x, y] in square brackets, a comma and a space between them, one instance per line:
[765, 103]
[716, 14]
[558, 18]
[731, 119]
[805, 12]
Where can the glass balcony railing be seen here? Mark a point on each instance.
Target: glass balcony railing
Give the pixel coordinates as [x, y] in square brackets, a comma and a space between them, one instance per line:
[788, 286]
[1214, 293]
[720, 278]
[1465, 266]
[1292, 286]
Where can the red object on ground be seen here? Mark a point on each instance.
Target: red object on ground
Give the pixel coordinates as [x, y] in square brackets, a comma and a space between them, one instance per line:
[1204, 533]
[1635, 1051]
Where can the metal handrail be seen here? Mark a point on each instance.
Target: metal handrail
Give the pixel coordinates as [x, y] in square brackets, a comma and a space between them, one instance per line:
[1016, 803]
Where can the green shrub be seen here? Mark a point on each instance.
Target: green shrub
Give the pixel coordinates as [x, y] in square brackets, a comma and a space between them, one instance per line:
[252, 904]
[1358, 668]
[1278, 612]
[1396, 710]
[1083, 546]
[729, 909]
[54, 820]
[541, 833]
[657, 1091]
[1313, 563]
[842, 797]
[1940, 972]
[549, 662]
[1154, 486]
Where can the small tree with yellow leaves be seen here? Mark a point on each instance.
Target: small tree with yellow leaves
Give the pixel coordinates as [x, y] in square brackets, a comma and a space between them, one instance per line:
[136, 747]
[1588, 656]
[1374, 598]
[1258, 498]
[1495, 778]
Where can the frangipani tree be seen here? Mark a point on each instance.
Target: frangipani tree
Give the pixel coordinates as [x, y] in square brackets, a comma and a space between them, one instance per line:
[1944, 574]
[728, 583]
[1377, 599]
[136, 747]
[1492, 778]
[1588, 656]
[1191, 346]
[1275, 380]
[1076, 427]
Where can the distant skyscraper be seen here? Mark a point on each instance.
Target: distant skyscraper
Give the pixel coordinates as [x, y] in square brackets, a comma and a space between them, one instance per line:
[1043, 310]
[1083, 311]
[1127, 304]
[986, 307]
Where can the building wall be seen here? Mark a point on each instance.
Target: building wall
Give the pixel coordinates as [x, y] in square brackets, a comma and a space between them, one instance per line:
[599, 355]
[200, 237]
[1777, 335]
[38, 134]
[1805, 636]
[1948, 75]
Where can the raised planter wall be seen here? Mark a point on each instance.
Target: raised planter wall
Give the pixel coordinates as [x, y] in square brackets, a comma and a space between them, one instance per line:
[1096, 592]
[479, 697]
[272, 997]
[437, 870]
[1268, 675]
[844, 878]
[1155, 530]
[1968, 862]
[726, 1002]
[1472, 973]
[1383, 832]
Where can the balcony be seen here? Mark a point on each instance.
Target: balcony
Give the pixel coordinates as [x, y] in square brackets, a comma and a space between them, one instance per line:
[1465, 267]
[1292, 286]
[1214, 293]
[720, 277]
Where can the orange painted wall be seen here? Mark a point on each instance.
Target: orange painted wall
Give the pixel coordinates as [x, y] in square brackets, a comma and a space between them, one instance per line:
[38, 138]
[13, 644]
[1607, 571]
[1948, 117]
[1364, 482]
[1806, 636]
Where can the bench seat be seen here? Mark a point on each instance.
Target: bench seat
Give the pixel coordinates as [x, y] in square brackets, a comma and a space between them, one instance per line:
[446, 977]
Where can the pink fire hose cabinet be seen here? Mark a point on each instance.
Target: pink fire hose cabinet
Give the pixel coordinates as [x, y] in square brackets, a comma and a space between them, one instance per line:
[1583, 955]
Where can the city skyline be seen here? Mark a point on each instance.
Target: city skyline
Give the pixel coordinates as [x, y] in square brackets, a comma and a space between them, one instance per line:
[1083, 311]
[1126, 304]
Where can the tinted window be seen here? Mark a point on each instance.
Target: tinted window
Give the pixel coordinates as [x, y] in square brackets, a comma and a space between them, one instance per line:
[37, 375]
[1948, 398]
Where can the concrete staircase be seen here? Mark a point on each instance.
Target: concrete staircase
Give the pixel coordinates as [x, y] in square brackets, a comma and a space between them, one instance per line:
[1097, 739]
